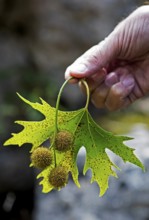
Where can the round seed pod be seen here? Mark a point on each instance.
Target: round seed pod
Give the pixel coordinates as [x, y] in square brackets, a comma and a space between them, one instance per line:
[58, 177]
[63, 141]
[41, 157]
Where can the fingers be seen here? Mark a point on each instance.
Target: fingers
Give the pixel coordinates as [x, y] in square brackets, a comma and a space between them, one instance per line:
[99, 96]
[94, 59]
[113, 98]
[115, 92]
[118, 96]
[94, 81]
[84, 65]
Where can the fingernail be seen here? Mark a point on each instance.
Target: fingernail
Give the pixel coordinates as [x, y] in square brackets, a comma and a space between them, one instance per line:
[79, 68]
[128, 82]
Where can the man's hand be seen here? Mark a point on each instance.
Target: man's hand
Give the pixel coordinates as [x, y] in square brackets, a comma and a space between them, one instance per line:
[117, 69]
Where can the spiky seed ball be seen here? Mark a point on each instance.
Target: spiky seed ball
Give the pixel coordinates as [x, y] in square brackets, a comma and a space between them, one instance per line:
[63, 141]
[58, 177]
[41, 157]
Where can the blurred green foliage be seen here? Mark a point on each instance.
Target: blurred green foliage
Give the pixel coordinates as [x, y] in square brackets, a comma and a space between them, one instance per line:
[31, 84]
[123, 121]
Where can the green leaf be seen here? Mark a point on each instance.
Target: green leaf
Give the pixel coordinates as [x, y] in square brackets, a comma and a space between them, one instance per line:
[86, 133]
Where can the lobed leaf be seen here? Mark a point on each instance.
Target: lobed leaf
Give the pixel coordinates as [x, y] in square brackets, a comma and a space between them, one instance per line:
[86, 133]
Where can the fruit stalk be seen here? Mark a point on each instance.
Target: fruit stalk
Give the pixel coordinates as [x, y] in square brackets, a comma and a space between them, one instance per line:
[57, 107]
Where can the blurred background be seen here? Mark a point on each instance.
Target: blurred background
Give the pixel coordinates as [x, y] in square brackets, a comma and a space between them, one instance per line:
[38, 40]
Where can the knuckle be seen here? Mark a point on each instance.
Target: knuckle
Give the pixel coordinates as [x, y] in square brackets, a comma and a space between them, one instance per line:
[97, 102]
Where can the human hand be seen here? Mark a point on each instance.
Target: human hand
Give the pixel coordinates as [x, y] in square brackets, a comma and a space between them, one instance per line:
[117, 69]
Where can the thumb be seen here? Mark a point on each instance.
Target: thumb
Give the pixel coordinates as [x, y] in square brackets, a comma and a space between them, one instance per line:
[96, 58]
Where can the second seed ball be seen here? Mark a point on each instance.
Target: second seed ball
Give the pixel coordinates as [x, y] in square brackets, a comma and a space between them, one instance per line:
[63, 141]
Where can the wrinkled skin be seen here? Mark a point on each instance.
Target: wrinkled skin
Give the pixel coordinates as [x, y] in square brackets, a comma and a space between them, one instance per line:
[117, 69]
